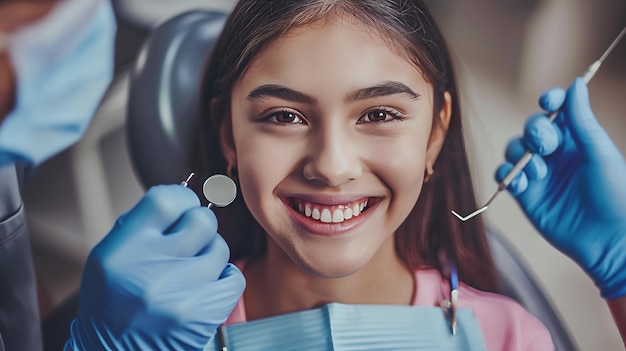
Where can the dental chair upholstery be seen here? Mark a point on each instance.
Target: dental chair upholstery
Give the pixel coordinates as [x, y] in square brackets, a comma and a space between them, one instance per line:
[163, 96]
[162, 111]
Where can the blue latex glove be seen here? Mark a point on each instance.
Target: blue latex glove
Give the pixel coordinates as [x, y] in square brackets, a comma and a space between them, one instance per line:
[574, 188]
[160, 280]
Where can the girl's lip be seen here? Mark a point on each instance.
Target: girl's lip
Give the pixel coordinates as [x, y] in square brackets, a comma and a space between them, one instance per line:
[328, 229]
[328, 200]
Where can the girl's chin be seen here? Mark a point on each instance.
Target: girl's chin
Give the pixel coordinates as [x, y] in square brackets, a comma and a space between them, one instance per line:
[331, 267]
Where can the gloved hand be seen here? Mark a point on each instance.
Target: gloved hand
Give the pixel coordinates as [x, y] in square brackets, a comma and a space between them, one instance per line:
[574, 188]
[160, 280]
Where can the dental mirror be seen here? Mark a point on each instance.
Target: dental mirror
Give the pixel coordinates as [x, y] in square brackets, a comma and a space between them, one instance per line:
[219, 190]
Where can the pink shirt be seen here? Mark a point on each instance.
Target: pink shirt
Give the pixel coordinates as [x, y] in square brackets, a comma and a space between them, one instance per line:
[504, 323]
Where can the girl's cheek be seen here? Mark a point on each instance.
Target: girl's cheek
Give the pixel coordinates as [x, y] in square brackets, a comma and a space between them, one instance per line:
[400, 157]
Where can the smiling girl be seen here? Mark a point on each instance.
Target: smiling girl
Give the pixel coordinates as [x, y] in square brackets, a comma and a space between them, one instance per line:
[333, 116]
[340, 120]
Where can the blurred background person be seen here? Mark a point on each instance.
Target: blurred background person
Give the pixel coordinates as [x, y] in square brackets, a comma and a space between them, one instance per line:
[56, 60]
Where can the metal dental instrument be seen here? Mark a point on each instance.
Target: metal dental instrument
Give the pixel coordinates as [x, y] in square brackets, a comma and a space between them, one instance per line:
[454, 295]
[220, 190]
[449, 306]
[185, 182]
[589, 73]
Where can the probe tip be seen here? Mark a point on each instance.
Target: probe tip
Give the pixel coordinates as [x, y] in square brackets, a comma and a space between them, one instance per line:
[471, 215]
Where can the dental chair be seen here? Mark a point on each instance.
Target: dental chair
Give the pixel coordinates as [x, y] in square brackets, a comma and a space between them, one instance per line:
[162, 111]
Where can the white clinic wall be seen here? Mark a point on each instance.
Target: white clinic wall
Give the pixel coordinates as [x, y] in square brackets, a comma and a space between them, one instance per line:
[507, 52]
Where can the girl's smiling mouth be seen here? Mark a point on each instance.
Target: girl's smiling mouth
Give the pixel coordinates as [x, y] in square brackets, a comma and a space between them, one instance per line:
[331, 217]
[329, 214]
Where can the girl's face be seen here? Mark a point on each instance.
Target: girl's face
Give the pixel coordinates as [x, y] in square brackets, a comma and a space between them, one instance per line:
[331, 131]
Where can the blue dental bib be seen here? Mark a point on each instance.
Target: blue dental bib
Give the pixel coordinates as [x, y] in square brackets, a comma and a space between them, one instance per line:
[341, 327]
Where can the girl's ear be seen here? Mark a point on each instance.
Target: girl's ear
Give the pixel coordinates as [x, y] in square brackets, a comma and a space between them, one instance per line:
[439, 130]
[227, 142]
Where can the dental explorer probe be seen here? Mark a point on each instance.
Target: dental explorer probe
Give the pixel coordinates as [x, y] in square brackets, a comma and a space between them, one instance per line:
[589, 73]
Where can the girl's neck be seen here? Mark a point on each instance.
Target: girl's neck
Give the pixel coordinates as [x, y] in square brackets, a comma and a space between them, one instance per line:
[276, 285]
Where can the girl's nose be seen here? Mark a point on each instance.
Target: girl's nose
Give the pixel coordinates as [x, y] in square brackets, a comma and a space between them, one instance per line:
[334, 159]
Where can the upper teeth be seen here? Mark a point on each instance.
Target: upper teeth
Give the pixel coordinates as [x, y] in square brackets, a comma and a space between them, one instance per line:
[331, 214]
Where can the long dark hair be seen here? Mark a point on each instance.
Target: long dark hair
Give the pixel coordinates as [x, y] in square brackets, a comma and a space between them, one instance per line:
[430, 235]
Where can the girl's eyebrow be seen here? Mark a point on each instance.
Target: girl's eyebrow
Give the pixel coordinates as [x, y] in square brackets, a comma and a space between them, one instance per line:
[382, 89]
[285, 93]
[280, 92]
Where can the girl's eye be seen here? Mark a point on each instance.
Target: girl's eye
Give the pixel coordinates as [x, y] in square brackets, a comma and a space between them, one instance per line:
[380, 115]
[285, 117]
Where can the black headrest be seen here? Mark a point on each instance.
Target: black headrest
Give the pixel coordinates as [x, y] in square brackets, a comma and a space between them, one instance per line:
[163, 101]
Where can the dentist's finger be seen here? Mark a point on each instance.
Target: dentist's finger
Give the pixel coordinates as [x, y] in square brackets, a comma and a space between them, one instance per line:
[518, 185]
[535, 169]
[541, 136]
